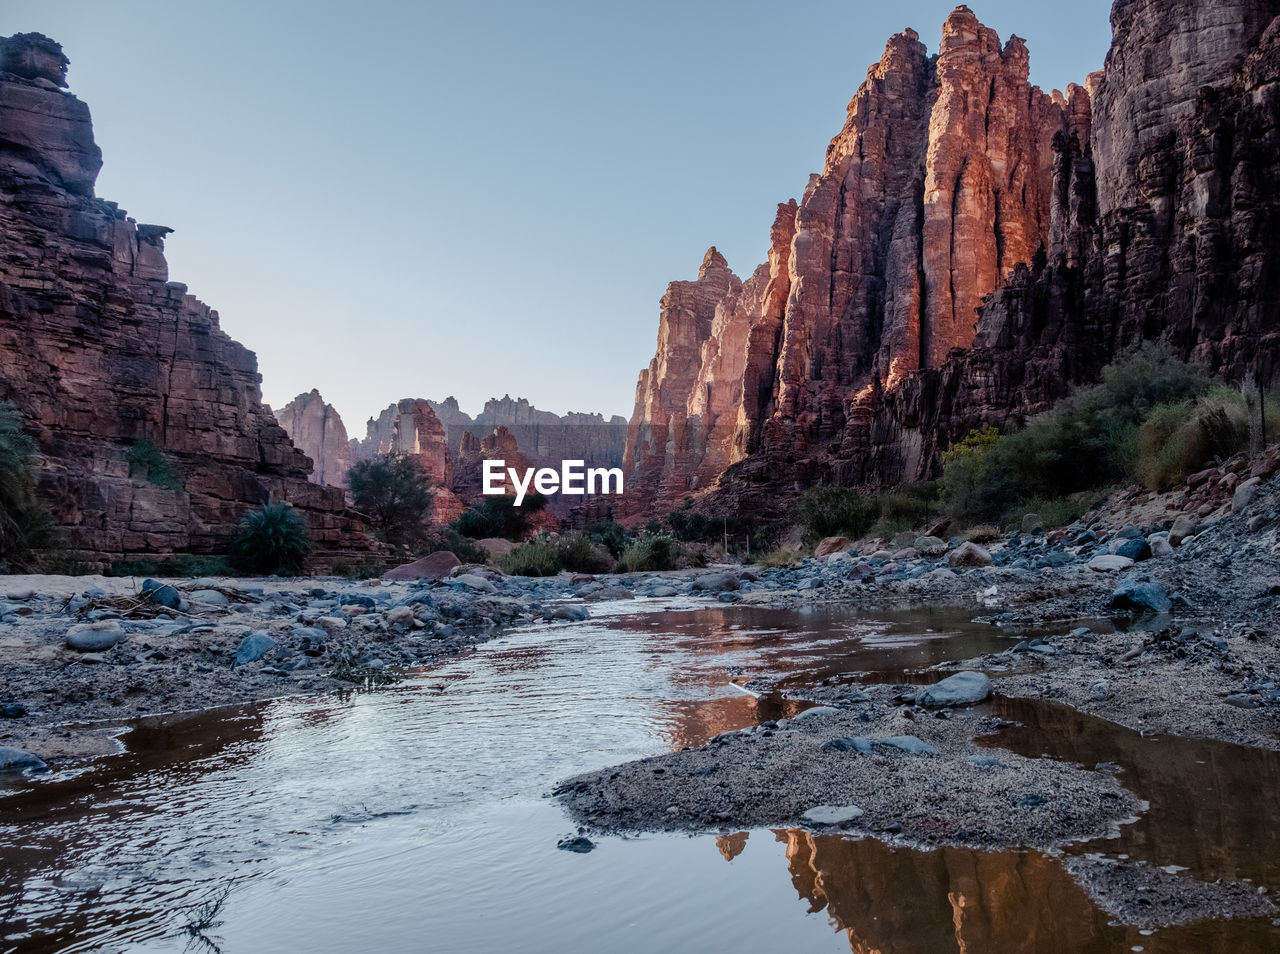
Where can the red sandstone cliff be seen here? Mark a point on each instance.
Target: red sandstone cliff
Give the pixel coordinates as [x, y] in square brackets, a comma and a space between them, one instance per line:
[99, 350]
[412, 428]
[973, 247]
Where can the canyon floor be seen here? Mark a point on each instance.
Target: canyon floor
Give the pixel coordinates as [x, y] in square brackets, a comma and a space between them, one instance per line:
[1185, 643]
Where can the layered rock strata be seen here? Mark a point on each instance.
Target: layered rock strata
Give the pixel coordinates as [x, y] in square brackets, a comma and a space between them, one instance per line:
[411, 428]
[149, 418]
[972, 248]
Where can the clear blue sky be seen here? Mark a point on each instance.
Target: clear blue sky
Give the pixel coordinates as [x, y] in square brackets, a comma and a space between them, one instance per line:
[394, 199]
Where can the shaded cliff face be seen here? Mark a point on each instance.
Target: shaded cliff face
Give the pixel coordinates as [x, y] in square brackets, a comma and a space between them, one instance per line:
[974, 247]
[938, 185]
[316, 429]
[99, 350]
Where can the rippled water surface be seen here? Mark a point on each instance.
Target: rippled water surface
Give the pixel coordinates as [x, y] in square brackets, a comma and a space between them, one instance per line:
[415, 818]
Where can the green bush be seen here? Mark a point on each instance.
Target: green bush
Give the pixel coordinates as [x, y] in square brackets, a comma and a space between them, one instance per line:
[185, 565]
[155, 467]
[542, 556]
[446, 538]
[538, 557]
[272, 539]
[1088, 442]
[498, 516]
[395, 494]
[856, 513]
[612, 536]
[1178, 439]
[26, 526]
[657, 553]
[580, 554]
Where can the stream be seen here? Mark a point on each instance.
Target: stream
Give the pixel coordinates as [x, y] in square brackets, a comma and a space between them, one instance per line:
[415, 818]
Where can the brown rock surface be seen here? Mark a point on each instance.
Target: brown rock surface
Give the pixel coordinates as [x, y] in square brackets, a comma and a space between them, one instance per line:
[938, 185]
[433, 566]
[99, 350]
[974, 247]
[316, 429]
[412, 428]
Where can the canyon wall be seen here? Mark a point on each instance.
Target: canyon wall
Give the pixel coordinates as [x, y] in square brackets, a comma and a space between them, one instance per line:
[971, 249]
[316, 429]
[113, 367]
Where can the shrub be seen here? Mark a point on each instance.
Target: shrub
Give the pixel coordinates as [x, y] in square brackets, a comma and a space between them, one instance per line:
[1177, 439]
[612, 536]
[984, 533]
[395, 494]
[446, 538]
[272, 539]
[26, 526]
[781, 557]
[835, 512]
[498, 516]
[1088, 442]
[155, 467]
[538, 557]
[185, 565]
[580, 554]
[657, 553]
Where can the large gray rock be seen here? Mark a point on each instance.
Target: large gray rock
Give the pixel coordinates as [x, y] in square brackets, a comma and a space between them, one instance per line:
[832, 815]
[1245, 493]
[1183, 527]
[434, 566]
[253, 647]
[969, 554]
[1032, 523]
[1109, 563]
[95, 637]
[961, 689]
[930, 546]
[16, 760]
[717, 582]
[1141, 595]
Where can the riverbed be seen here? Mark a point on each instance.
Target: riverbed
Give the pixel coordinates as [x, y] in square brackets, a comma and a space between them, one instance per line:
[417, 818]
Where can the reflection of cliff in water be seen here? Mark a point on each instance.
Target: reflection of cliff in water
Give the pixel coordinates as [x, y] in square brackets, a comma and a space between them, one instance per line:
[896, 900]
[1213, 804]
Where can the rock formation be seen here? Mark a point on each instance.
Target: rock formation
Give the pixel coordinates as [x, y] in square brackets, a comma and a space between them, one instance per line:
[971, 249]
[316, 429]
[113, 365]
[412, 428]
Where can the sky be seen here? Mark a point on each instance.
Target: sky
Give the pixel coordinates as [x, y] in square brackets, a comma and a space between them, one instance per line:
[417, 199]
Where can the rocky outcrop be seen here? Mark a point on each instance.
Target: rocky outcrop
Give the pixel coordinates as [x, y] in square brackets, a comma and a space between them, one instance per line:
[149, 418]
[316, 429]
[974, 247]
[411, 428]
[936, 188]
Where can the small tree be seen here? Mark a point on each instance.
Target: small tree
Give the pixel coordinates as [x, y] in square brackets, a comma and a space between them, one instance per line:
[272, 539]
[26, 526]
[498, 516]
[395, 493]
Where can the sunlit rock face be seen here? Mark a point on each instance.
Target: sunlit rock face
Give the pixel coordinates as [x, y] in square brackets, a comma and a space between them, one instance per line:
[972, 248]
[113, 366]
[317, 430]
[411, 428]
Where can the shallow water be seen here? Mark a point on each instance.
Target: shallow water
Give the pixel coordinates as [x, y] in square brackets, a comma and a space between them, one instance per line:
[415, 818]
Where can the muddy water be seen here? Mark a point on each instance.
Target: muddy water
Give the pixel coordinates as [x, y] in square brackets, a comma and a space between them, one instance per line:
[414, 819]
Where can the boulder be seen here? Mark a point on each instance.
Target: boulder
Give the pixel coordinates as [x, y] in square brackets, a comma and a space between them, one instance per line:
[969, 555]
[717, 582]
[1032, 523]
[1110, 563]
[1183, 527]
[475, 582]
[570, 611]
[434, 566]
[831, 816]
[253, 647]
[1159, 544]
[496, 547]
[831, 545]
[162, 594]
[1135, 548]
[95, 637]
[1245, 493]
[930, 546]
[16, 760]
[1141, 595]
[961, 689]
